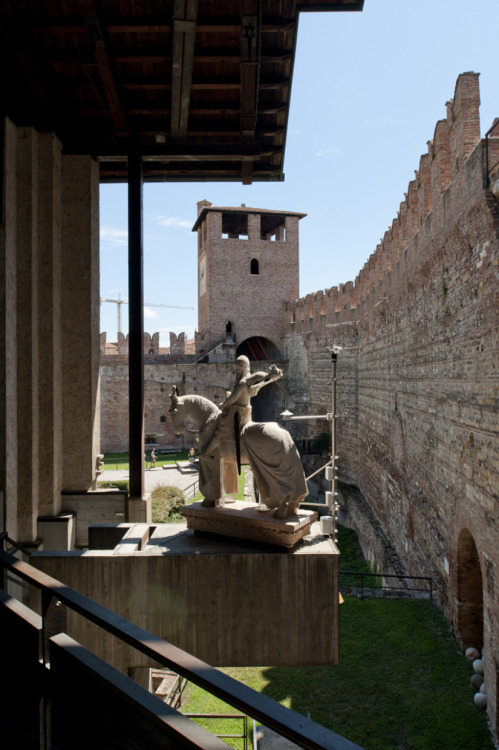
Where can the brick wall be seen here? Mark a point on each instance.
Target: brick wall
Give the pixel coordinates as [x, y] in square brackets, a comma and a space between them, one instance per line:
[210, 381]
[417, 390]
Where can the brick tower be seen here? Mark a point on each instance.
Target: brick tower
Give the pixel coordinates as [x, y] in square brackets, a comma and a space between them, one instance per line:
[248, 267]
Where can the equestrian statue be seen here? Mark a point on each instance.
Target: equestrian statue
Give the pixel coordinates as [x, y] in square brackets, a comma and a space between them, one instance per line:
[229, 438]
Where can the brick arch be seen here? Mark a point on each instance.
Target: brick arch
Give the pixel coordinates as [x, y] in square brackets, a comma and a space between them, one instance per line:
[258, 348]
[469, 592]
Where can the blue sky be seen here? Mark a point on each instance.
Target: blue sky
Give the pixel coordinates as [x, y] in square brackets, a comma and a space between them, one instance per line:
[368, 89]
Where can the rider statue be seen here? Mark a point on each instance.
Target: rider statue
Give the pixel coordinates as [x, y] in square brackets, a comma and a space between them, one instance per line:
[236, 409]
[228, 437]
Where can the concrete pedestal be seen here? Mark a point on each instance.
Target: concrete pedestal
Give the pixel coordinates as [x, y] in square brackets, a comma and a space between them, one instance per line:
[231, 602]
[244, 521]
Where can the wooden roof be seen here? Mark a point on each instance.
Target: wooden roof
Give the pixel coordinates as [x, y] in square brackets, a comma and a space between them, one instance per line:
[269, 221]
[199, 88]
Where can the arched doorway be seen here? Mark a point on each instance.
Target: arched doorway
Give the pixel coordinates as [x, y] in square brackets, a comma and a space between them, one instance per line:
[258, 349]
[469, 592]
[269, 402]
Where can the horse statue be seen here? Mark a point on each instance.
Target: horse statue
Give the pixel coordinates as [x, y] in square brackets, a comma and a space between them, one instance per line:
[266, 446]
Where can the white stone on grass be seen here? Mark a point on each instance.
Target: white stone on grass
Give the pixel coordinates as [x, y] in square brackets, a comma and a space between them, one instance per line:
[480, 700]
[472, 653]
[477, 681]
[478, 666]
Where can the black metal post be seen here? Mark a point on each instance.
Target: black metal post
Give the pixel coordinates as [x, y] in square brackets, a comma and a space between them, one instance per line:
[135, 327]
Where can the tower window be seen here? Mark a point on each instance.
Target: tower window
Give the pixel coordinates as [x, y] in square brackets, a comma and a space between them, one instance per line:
[254, 267]
[234, 225]
[229, 334]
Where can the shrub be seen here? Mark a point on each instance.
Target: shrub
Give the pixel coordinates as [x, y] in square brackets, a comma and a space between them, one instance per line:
[166, 503]
[118, 484]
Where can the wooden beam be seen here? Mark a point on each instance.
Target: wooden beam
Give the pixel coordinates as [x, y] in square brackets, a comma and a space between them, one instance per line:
[184, 36]
[191, 152]
[250, 66]
[97, 29]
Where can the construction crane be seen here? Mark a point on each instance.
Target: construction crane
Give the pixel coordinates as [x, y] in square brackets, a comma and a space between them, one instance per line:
[120, 302]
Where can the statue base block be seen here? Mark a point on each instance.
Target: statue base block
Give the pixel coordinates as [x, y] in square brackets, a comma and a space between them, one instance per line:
[245, 521]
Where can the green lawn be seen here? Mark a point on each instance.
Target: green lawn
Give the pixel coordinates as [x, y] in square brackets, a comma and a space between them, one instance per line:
[240, 494]
[402, 682]
[120, 460]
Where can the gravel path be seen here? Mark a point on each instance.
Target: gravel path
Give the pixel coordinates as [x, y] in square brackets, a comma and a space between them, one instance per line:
[172, 477]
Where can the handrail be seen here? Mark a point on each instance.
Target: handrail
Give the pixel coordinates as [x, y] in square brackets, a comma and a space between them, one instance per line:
[242, 717]
[364, 574]
[24, 547]
[189, 489]
[286, 722]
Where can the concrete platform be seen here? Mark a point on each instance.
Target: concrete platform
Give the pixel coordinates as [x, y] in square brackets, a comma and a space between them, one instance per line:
[187, 468]
[231, 602]
[245, 521]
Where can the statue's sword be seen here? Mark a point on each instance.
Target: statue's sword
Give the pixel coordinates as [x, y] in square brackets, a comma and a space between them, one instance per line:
[237, 438]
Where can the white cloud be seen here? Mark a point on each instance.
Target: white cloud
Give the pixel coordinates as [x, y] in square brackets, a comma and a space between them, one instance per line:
[113, 237]
[328, 153]
[148, 313]
[172, 221]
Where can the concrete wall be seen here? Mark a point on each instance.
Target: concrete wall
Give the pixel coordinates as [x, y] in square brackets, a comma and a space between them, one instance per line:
[49, 347]
[230, 604]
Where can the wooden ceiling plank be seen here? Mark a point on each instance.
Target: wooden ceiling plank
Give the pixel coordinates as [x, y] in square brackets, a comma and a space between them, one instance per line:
[17, 38]
[250, 65]
[170, 150]
[177, 58]
[98, 31]
[184, 36]
[188, 64]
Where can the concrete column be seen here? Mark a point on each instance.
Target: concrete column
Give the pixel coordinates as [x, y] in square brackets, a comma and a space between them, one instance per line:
[27, 334]
[49, 326]
[8, 317]
[80, 320]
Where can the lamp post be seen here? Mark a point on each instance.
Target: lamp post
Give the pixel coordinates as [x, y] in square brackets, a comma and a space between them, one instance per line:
[330, 467]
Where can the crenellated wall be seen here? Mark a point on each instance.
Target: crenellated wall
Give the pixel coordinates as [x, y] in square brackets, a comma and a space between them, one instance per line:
[446, 178]
[180, 350]
[417, 387]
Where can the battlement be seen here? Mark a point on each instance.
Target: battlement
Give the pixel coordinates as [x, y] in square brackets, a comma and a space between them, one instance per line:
[450, 173]
[180, 348]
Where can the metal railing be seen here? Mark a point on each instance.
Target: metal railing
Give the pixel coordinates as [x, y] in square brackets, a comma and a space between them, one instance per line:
[191, 491]
[362, 581]
[240, 717]
[57, 598]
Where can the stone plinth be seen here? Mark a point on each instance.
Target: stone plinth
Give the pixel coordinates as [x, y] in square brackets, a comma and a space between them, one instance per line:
[244, 521]
[230, 602]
